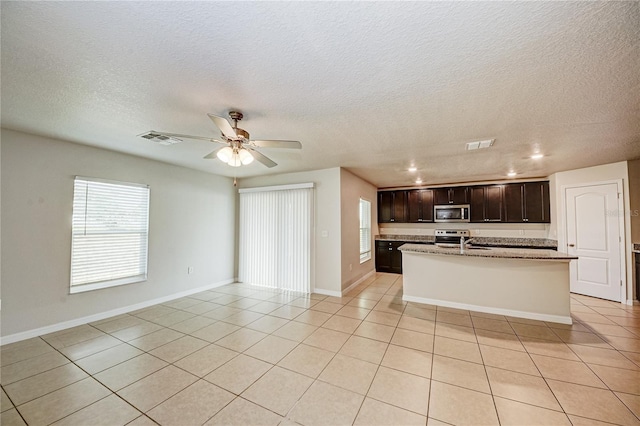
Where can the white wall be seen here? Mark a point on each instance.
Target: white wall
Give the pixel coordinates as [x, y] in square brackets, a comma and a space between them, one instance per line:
[191, 223]
[352, 188]
[326, 275]
[602, 173]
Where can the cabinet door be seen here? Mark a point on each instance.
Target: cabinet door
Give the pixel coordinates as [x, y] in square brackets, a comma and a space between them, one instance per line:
[399, 206]
[441, 196]
[396, 258]
[384, 250]
[426, 198]
[385, 206]
[455, 195]
[514, 203]
[476, 204]
[493, 203]
[638, 276]
[420, 205]
[414, 206]
[459, 195]
[536, 202]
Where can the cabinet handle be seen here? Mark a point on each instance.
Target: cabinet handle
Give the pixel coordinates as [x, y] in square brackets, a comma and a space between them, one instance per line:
[572, 245]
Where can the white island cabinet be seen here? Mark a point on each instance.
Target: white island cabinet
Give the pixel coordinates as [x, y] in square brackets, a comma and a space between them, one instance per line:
[525, 283]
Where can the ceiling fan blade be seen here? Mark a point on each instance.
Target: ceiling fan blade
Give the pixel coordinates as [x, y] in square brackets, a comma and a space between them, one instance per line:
[224, 126]
[277, 144]
[263, 158]
[178, 135]
[212, 155]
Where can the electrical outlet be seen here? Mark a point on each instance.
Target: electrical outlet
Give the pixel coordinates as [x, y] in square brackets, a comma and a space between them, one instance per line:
[190, 270]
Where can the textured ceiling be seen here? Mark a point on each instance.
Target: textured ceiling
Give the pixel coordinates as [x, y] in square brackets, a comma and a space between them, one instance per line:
[369, 86]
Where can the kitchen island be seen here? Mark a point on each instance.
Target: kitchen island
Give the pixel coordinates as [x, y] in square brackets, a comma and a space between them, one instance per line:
[525, 283]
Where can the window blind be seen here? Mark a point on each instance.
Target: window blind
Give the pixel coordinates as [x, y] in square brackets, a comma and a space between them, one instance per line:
[110, 227]
[275, 238]
[365, 230]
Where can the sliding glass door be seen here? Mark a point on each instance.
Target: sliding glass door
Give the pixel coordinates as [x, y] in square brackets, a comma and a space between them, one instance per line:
[275, 237]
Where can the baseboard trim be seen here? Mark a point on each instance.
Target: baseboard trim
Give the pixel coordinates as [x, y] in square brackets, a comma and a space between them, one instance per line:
[23, 335]
[488, 310]
[359, 281]
[327, 292]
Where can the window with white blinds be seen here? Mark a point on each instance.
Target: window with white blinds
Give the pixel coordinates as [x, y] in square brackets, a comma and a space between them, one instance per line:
[365, 230]
[275, 237]
[109, 233]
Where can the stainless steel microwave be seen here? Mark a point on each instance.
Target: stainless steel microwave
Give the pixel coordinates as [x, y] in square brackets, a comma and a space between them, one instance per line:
[451, 213]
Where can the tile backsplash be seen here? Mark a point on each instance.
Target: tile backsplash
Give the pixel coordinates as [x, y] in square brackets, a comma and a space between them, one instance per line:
[476, 229]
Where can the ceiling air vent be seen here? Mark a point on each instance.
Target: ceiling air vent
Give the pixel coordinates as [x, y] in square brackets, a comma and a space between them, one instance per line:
[480, 144]
[161, 139]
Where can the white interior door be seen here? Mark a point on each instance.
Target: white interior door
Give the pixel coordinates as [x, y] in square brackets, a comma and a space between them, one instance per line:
[593, 234]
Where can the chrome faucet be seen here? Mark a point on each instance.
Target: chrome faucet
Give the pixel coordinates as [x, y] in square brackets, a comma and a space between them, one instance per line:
[464, 243]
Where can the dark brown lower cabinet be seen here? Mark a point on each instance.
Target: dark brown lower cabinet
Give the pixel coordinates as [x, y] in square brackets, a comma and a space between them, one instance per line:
[638, 276]
[388, 257]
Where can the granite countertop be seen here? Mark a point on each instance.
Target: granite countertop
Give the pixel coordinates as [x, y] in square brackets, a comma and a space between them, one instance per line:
[503, 253]
[478, 241]
[416, 238]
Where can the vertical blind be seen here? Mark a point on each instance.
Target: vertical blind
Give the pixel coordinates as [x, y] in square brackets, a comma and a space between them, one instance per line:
[275, 237]
[109, 233]
[365, 230]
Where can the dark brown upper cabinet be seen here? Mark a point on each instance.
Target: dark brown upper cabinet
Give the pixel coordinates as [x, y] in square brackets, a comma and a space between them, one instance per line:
[392, 206]
[487, 203]
[455, 195]
[527, 202]
[420, 205]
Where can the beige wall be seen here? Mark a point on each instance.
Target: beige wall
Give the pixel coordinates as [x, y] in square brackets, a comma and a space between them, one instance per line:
[326, 276]
[602, 173]
[352, 188]
[634, 199]
[191, 223]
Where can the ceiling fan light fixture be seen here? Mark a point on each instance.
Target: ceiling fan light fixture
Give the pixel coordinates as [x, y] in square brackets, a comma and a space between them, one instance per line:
[245, 156]
[235, 160]
[225, 154]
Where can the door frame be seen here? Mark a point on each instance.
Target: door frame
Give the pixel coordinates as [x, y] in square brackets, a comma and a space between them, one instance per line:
[621, 227]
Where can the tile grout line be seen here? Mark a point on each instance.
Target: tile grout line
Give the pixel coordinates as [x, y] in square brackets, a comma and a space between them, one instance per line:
[388, 289]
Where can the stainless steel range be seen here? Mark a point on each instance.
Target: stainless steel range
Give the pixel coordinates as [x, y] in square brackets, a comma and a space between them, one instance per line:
[451, 237]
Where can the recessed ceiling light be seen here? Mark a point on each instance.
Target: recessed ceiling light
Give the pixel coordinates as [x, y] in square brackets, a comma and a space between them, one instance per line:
[537, 156]
[511, 174]
[412, 169]
[418, 181]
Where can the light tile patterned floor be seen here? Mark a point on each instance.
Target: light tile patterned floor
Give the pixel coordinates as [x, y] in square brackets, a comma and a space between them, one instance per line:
[241, 355]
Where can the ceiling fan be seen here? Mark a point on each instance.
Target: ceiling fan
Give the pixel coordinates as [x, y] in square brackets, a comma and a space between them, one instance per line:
[239, 149]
